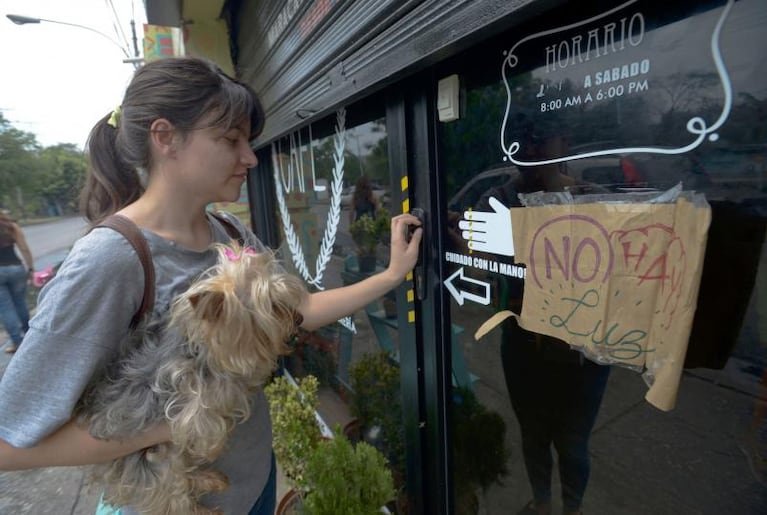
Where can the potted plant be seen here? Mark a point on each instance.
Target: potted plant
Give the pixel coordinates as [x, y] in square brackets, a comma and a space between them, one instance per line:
[367, 233]
[327, 476]
[295, 429]
[480, 454]
[376, 404]
[346, 479]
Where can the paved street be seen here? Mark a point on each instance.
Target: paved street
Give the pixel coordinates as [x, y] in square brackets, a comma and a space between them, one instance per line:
[49, 242]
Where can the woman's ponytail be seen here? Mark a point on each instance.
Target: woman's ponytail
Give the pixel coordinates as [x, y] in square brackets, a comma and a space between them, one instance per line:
[111, 184]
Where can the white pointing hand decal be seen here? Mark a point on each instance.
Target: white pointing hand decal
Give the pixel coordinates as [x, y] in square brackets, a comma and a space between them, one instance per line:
[489, 231]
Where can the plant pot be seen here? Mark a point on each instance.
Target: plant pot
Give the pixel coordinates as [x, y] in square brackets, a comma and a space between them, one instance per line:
[290, 504]
[353, 431]
[367, 263]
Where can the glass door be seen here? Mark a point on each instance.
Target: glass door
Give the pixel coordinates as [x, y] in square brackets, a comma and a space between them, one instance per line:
[552, 409]
[335, 194]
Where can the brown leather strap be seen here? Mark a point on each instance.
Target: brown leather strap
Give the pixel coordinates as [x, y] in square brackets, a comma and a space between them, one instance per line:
[133, 234]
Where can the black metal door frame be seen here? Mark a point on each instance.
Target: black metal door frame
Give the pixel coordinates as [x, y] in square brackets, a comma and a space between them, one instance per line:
[411, 117]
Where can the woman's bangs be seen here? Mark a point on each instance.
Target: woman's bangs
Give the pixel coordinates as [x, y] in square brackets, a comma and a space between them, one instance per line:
[237, 103]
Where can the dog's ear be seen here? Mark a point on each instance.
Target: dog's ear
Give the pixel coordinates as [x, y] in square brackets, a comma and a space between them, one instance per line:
[208, 305]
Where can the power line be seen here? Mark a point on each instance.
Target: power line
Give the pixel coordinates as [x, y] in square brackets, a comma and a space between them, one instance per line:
[117, 26]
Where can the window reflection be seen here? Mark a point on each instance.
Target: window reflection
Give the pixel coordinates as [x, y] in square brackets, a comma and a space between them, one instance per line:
[559, 408]
[334, 207]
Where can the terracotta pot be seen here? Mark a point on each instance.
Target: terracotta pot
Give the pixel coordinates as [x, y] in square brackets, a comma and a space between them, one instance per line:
[353, 430]
[290, 504]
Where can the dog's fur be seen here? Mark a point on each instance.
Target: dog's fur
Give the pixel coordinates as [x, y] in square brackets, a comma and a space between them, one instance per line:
[196, 371]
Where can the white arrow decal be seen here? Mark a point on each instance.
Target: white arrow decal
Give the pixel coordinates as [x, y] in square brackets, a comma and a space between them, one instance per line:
[460, 296]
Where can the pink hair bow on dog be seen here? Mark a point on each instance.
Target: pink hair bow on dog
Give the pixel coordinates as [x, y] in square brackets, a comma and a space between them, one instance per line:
[233, 256]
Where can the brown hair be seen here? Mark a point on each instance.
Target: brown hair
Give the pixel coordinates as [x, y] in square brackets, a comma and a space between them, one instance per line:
[183, 90]
[6, 229]
[363, 191]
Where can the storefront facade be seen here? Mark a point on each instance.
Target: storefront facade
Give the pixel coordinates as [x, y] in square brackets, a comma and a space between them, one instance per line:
[462, 110]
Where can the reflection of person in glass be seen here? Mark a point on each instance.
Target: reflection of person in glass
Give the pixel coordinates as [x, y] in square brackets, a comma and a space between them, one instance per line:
[364, 201]
[555, 392]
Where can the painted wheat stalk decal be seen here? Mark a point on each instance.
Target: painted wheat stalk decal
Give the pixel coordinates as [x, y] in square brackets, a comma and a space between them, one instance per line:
[334, 214]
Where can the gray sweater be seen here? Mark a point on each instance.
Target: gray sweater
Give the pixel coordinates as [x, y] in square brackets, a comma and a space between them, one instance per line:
[82, 316]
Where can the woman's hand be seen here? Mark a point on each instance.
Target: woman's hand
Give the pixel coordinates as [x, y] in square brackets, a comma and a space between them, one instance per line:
[323, 307]
[404, 253]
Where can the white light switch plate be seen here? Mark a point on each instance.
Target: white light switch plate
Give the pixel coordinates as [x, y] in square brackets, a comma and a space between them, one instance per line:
[447, 98]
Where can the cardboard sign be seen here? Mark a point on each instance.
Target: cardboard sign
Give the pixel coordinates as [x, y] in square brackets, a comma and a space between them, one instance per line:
[618, 281]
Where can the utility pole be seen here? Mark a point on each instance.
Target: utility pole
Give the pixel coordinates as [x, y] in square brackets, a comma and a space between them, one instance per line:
[135, 41]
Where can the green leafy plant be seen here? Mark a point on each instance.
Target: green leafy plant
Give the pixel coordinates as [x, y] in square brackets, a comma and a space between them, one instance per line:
[346, 479]
[295, 429]
[480, 454]
[377, 404]
[367, 232]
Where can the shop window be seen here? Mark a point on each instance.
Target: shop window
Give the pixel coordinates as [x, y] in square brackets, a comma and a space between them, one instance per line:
[334, 208]
[633, 100]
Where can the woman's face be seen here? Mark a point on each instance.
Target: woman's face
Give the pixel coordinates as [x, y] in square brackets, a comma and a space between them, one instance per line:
[214, 162]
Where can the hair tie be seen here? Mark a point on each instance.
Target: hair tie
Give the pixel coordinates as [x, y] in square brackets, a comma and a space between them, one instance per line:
[114, 119]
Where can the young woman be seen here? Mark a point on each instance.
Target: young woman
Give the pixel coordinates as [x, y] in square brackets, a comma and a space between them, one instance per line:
[13, 280]
[179, 141]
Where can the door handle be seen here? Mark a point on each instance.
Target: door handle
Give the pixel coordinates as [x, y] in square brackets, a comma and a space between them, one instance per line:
[418, 272]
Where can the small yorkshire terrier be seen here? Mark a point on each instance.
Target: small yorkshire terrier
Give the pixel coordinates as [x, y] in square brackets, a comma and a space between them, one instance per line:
[197, 373]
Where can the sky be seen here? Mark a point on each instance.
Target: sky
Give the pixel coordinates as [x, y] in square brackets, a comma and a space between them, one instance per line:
[56, 81]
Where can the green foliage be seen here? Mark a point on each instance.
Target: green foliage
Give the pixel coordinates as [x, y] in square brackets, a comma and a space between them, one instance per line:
[64, 169]
[38, 181]
[376, 401]
[347, 480]
[368, 232]
[315, 350]
[480, 454]
[295, 429]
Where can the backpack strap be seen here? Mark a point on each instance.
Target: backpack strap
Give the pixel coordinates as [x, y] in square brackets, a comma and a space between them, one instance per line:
[230, 228]
[135, 237]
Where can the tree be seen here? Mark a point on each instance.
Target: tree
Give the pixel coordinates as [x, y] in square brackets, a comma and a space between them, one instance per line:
[64, 169]
[17, 165]
[36, 180]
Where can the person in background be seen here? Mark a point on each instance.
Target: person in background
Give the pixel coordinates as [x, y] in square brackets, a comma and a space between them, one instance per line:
[179, 141]
[555, 391]
[363, 200]
[13, 280]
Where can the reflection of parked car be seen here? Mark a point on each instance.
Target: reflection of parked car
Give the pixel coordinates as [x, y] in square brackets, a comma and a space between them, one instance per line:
[626, 172]
[473, 190]
[738, 166]
[616, 173]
